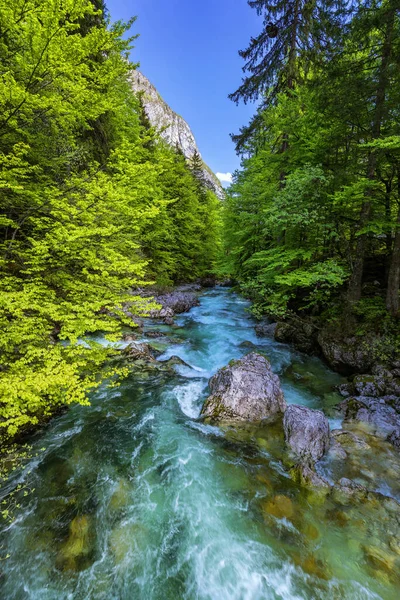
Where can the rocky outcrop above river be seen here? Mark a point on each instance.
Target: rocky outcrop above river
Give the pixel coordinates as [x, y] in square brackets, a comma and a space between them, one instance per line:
[346, 354]
[341, 347]
[375, 400]
[171, 126]
[245, 390]
[306, 432]
[302, 334]
[266, 329]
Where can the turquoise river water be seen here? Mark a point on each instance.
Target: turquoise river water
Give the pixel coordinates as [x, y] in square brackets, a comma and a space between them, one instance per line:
[136, 499]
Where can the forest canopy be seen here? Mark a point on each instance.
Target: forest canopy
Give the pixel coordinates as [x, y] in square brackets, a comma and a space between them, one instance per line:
[313, 216]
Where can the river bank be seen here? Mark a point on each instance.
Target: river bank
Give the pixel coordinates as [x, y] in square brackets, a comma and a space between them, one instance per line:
[137, 496]
[370, 361]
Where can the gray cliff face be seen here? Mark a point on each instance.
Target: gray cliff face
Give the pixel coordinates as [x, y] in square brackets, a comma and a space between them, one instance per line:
[172, 127]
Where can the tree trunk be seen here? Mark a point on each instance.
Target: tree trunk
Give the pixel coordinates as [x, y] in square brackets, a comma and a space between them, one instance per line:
[355, 284]
[392, 295]
[291, 75]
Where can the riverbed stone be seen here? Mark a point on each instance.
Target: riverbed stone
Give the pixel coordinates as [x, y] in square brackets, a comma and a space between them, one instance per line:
[314, 566]
[306, 476]
[306, 432]
[78, 545]
[121, 496]
[369, 385]
[139, 351]
[280, 507]
[380, 413]
[349, 440]
[245, 390]
[379, 558]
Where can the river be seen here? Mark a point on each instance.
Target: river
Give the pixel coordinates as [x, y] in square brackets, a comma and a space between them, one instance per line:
[135, 498]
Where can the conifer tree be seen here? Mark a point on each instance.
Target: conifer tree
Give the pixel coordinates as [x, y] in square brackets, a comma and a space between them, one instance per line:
[290, 28]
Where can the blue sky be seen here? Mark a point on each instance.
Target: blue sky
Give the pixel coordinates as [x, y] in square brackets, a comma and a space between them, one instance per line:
[189, 51]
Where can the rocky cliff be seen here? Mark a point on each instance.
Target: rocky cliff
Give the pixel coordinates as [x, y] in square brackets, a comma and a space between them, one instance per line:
[173, 127]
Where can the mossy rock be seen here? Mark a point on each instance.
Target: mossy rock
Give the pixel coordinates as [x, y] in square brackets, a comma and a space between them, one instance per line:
[314, 566]
[280, 507]
[75, 552]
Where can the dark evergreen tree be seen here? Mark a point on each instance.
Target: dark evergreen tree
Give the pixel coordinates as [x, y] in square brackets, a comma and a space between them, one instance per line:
[197, 169]
[290, 29]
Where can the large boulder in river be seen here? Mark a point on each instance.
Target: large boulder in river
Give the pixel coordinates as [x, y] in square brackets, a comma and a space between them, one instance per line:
[245, 390]
[306, 432]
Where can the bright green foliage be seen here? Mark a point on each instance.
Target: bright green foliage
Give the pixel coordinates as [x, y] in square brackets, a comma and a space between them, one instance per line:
[15, 457]
[316, 203]
[92, 204]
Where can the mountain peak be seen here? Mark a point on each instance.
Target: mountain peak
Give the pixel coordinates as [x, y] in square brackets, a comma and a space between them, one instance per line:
[172, 127]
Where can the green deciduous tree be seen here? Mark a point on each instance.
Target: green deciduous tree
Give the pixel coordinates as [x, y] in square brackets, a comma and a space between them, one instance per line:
[93, 204]
[302, 223]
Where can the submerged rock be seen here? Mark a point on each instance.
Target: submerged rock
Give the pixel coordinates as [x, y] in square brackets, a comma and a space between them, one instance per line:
[77, 548]
[348, 440]
[121, 495]
[351, 488]
[380, 558]
[314, 566]
[247, 345]
[245, 390]
[280, 507]
[306, 432]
